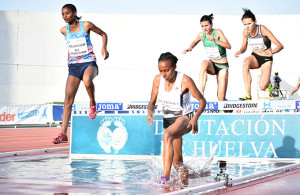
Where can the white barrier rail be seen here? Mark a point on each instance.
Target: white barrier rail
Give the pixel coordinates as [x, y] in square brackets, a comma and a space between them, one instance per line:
[17, 153]
[236, 181]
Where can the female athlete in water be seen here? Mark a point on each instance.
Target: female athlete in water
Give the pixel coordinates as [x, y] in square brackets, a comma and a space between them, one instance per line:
[175, 90]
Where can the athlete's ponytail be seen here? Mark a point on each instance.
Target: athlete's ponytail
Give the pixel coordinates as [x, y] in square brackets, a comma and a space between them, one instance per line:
[248, 14]
[208, 18]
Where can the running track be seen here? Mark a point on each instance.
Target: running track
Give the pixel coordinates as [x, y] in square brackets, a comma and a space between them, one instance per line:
[20, 139]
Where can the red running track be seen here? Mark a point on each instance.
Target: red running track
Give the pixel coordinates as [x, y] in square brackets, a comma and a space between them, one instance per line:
[20, 139]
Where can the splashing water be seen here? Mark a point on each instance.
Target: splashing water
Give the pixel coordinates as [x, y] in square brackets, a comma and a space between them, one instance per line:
[201, 167]
[188, 173]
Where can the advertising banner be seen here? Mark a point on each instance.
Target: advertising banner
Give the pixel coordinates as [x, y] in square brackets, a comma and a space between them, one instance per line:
[240, 106]
[26, 114]
[57, 112]
[109, 106]
[279, 104]
[297, 104]
[246, 136]
[237, 105]
[257, 105]
[119, 135]
[241, 136]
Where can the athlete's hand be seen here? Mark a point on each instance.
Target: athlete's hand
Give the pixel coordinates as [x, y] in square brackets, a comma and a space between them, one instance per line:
[193, 124]
[236, 54]
[292, 93]
[269, 53]
[149, 118]
[105, 53]
[210, 37]
[187, 50]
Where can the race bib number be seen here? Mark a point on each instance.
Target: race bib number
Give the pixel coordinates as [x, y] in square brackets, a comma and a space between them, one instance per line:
[77, 47]
[257, 44]
[212, 53]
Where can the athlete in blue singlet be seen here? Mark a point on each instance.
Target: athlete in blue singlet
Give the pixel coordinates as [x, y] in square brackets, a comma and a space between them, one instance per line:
[173, 90]
[259, 38]
[81, 61]
[215, 44]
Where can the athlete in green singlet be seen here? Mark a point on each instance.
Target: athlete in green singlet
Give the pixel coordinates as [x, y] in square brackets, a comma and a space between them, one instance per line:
[215, 44]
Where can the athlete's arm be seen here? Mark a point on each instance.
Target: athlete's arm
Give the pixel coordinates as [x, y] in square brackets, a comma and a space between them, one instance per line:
[188, 83]
[63, 31]
[266, 32]
[244, 44]
[221, 39]
[297, 87]
[151, 105]
[88, 26]
[194, 43]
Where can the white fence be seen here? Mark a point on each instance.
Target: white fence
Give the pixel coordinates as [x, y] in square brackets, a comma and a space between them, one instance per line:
[33, 54]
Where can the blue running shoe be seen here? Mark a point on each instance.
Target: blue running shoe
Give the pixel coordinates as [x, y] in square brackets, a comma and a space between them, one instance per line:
[163, 180]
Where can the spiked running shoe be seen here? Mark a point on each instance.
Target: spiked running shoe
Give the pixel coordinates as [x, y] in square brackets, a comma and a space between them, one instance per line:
[60, 139]
[245, 97]
[163, 180]
[270, 88]
[93, 112]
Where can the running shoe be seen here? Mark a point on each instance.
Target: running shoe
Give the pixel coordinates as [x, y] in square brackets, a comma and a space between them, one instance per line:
[93, 112]
[163, 180]
[60, 139]
[245, 97]
[270, 88]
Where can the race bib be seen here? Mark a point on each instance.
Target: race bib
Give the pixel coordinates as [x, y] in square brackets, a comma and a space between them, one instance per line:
[257, 44]
[212, 53]
[77, 47]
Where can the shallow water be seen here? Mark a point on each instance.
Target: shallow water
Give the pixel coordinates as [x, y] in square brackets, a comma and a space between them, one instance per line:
[94, 176]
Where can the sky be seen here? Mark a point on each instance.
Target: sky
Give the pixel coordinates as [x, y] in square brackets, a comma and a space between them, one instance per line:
[198, 7]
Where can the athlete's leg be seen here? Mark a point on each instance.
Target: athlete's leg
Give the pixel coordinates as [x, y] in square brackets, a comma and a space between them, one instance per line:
[222, 79]
[89, 74]
[70, 92]
[176, 130]
[265, 75]
[177, 158]
[206, 67]
[178, 161]
[250, 62]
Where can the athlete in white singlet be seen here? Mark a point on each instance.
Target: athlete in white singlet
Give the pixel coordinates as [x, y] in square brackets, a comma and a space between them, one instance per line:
[173, 90]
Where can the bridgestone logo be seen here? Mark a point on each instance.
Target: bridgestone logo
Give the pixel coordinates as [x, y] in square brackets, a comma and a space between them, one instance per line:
[252, 105]
[138, 106]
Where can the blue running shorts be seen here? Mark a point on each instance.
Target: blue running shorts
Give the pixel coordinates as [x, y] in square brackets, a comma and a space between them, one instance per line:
[77, 70]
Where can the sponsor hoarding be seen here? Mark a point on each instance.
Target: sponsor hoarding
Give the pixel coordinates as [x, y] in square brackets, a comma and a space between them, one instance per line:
[240, 136]
[26, 114]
